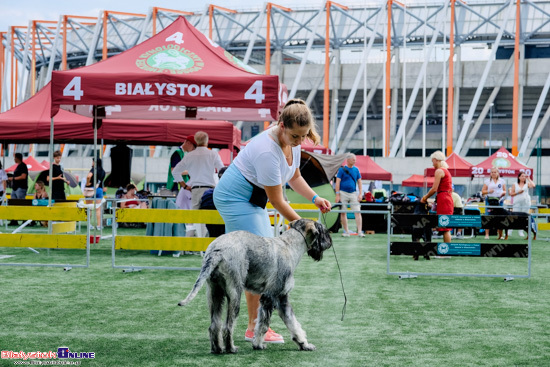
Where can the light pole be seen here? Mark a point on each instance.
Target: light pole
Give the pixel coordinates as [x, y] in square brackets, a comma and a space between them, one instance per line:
[491, 128]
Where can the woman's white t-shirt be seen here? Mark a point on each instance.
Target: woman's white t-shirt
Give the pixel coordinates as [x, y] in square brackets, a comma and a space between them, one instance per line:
[522, 201]
[263, 163]
[498, 187]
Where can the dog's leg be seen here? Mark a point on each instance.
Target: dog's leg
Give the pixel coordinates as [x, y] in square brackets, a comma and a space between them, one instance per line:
[215, 295]
[287, 314]
[233, 308]
[262, 324]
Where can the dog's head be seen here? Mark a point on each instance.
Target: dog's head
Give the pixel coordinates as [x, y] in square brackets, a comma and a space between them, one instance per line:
[316, 236]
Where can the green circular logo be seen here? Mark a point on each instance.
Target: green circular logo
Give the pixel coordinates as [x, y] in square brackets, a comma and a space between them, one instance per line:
[171, 60]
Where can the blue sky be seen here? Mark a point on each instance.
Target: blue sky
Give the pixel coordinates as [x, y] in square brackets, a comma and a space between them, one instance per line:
[19, 12]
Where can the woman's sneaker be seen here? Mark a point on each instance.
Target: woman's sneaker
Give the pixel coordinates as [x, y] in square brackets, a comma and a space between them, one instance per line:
[270, 337]
[345, 234]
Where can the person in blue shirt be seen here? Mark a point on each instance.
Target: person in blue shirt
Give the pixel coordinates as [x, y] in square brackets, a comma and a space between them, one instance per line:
[349, 190]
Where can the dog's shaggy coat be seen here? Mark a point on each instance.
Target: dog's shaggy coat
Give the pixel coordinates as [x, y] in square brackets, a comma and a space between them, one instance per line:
[240, 261]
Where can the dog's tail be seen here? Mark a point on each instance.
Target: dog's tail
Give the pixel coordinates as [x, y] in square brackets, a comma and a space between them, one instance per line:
[211, 261]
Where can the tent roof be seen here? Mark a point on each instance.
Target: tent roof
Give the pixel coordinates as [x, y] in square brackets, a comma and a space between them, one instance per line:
[506, 163]
[418, 181]
[458, 167]
[370, 170]
[32, 165]
[29, 122]
[179, 66]
[308, 146]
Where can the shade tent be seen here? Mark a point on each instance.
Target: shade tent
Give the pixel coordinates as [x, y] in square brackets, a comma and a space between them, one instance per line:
[418, 181]
[308, 146]
[370, 170]
[458, 167]
[32, 165]
[178, 73]
[506, 163]
[29, 122]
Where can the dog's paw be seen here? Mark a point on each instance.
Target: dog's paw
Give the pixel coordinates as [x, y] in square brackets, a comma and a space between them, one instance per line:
[215, 350]
[258, 346]
[307, 347]
[233, 350]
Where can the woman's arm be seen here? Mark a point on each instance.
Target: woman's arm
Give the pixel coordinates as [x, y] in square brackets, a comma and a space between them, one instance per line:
[89, 178]
[300, 185]
[275, 196]
[485, 189]
[530, 184]
[513, 191]
[439, 174]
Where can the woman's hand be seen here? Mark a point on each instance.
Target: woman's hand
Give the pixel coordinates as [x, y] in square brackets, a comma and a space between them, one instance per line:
[423, 200]
[322, 204]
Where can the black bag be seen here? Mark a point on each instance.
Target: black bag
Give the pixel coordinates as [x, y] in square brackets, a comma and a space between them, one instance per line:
[493, 201]
[258, 197]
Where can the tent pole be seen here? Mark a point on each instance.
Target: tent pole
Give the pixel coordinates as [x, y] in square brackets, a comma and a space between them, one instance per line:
[50, 187]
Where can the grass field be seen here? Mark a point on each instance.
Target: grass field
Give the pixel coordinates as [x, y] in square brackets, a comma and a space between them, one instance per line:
[131, 319]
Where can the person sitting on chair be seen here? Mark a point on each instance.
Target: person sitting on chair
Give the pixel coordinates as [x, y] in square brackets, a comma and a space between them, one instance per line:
[131, 200]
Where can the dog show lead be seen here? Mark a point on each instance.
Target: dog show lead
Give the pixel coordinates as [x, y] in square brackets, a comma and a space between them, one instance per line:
[269, 161]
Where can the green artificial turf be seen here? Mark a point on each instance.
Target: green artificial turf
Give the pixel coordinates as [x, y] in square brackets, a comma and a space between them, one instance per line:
[132, 319]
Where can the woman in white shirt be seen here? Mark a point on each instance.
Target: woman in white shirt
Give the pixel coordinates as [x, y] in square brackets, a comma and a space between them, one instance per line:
[269, 161]
[494, 187]
[522, 200]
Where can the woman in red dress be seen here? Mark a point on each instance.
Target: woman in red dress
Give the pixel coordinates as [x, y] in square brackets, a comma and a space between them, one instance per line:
[443, 185]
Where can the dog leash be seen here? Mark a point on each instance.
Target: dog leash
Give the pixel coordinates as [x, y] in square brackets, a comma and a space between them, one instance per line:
[340, 272]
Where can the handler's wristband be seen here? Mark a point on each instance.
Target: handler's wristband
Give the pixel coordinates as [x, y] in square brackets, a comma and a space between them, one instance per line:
[313, 198]
[337, 192]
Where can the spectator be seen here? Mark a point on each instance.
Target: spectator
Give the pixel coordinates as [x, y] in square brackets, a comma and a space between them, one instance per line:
[58, 181]
[258, 174]
[207, 202]
[443, 187]
[3, 182]
[94, 185]
[19, 180]
[458, 208]
[522, 200]
[349, 190]
[201, 164]
[494, 190]
[131, 200]
[40, 193]
[187, 146]
[183, 200]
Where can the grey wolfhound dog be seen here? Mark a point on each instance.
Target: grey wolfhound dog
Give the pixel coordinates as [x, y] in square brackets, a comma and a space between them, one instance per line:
[241, 260]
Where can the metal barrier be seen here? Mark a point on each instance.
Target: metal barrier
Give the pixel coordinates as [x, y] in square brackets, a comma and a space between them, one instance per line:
[500, 249]
[49, 241]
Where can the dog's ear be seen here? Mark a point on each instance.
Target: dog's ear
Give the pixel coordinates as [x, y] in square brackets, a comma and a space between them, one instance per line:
[311, 229]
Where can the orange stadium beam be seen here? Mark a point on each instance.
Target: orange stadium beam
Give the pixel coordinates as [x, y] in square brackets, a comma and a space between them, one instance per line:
[211, 9]
[268, 43]
[450, 91]
[106, 14]
[156, 9]
[2, 55]
[326, 93]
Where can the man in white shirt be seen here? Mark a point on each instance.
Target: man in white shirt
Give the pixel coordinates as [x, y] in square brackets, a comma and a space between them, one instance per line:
[201, 164]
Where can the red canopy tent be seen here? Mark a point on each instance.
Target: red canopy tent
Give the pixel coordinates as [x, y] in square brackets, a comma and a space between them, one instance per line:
[458, 167]
[178, 73]
[308, 146]
[506, 163]
[370, 170]
[418, 181]
[29, 122]
[32, 165]
[45, 163]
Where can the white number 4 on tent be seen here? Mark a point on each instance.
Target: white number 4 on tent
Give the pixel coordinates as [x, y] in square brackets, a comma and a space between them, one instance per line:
[73, 89]
[176, 37]
[255, 92]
